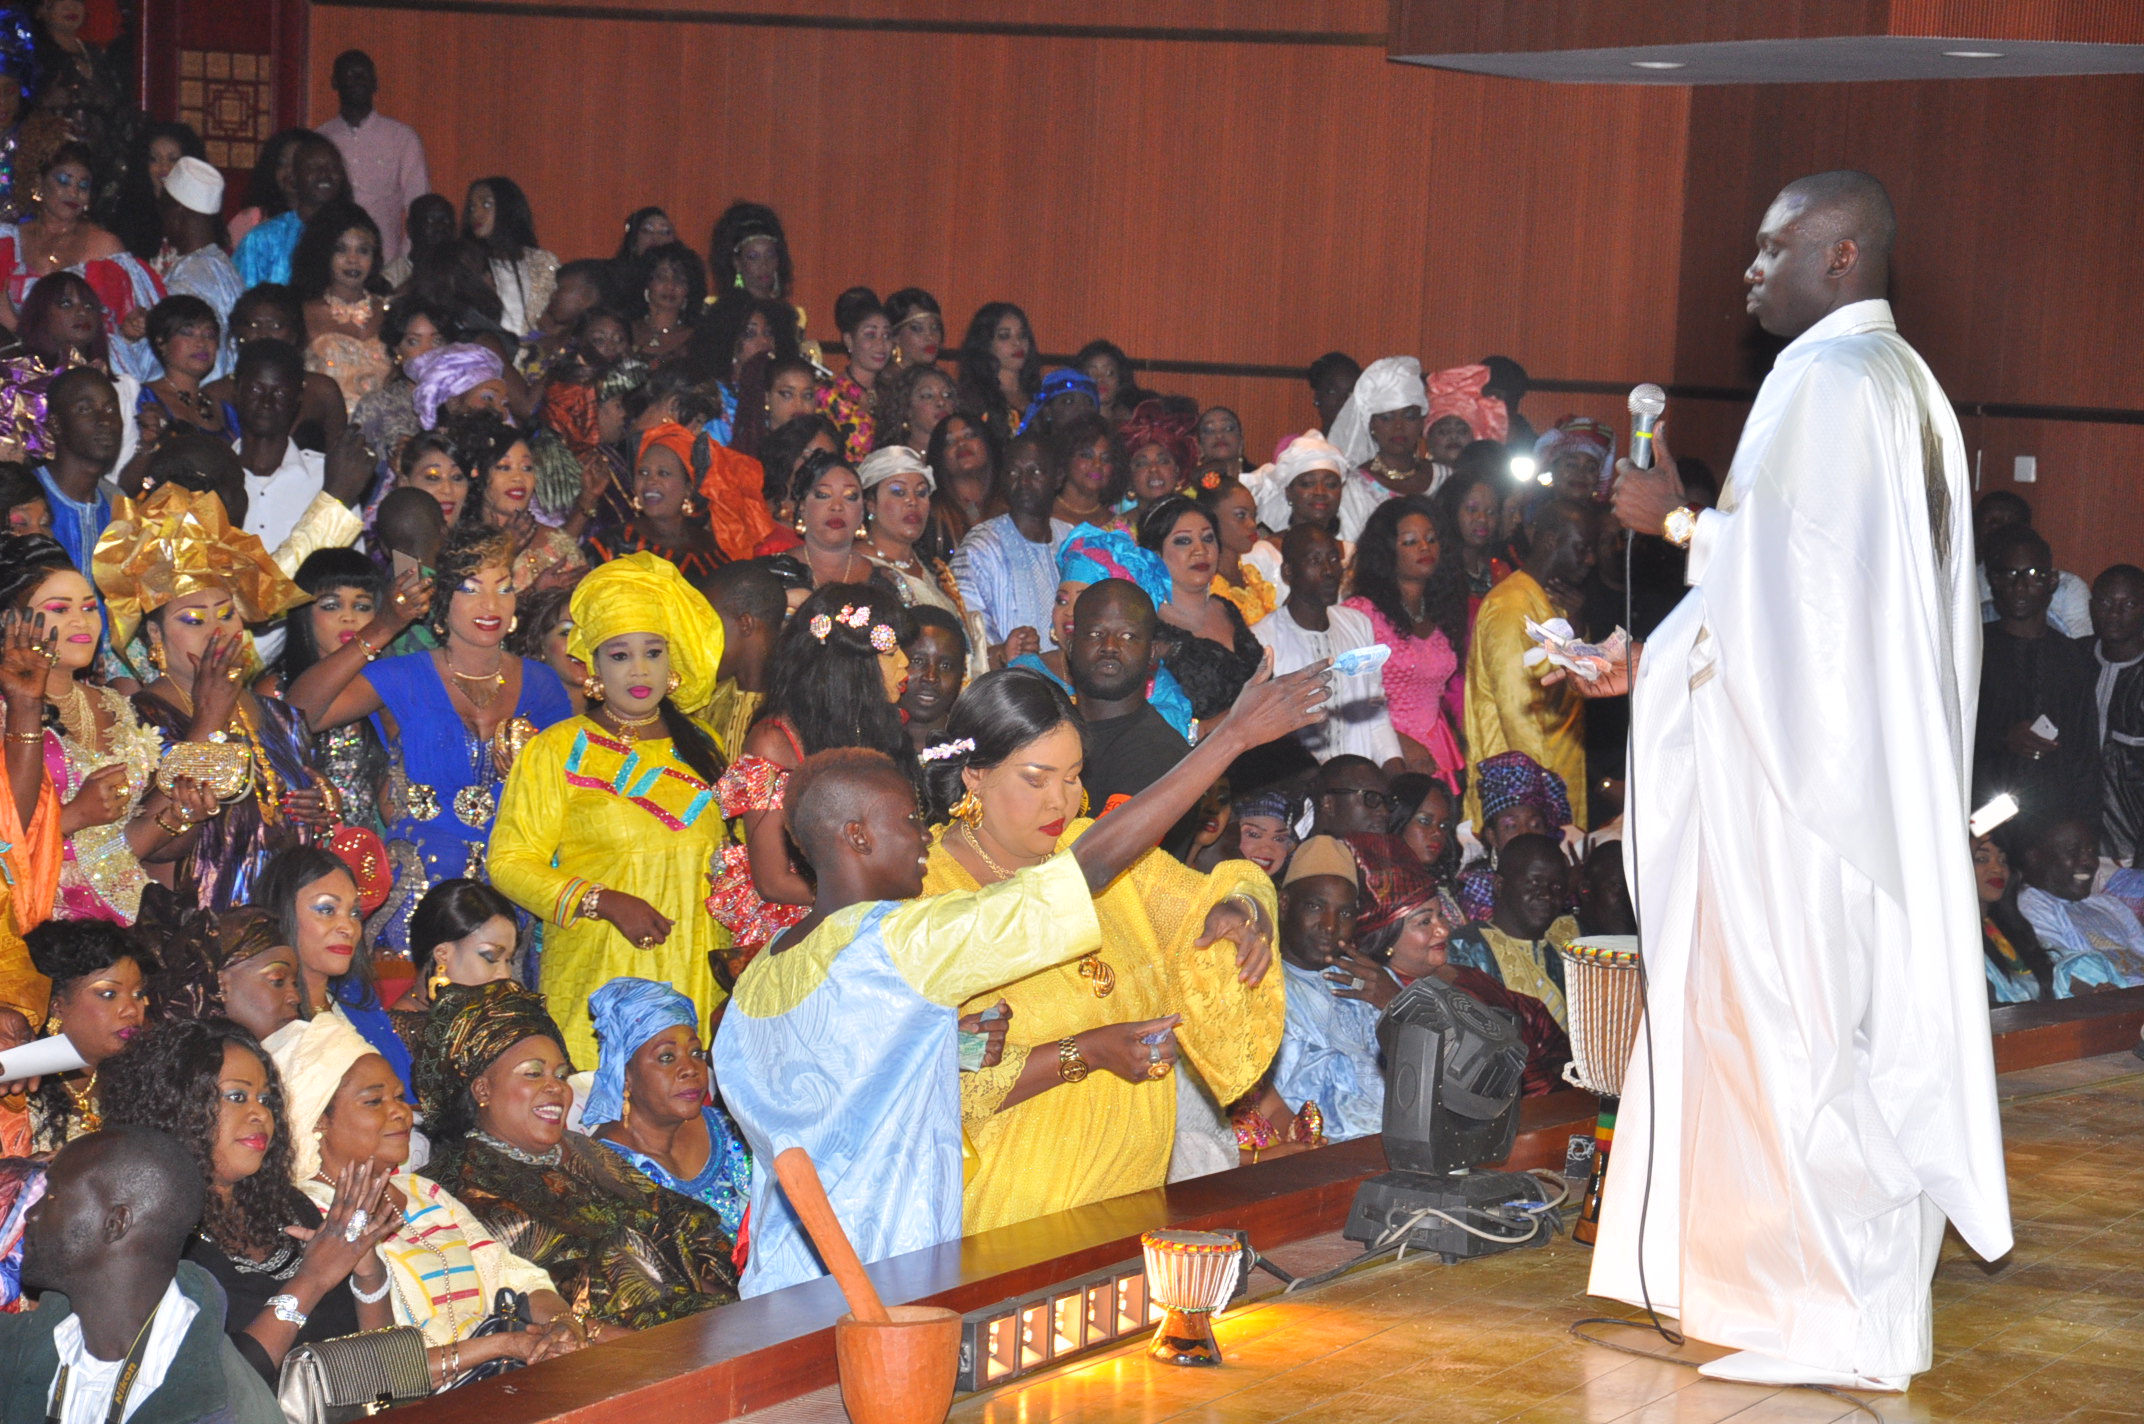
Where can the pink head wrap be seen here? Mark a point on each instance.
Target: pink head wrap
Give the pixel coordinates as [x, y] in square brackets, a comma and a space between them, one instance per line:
[1457, 390]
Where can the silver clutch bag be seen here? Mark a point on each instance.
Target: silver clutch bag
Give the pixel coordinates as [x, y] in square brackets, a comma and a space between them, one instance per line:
[333, 1381]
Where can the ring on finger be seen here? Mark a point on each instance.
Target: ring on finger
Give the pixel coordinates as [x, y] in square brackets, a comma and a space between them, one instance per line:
[359, 1220]
[1157, 1071]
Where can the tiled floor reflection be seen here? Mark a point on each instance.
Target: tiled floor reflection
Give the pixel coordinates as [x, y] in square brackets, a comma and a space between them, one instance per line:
[2054, 1333]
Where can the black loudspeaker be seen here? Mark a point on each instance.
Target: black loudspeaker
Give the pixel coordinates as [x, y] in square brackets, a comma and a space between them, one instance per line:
[1452, 1079]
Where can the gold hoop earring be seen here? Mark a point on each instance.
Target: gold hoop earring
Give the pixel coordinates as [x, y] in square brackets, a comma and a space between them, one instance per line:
[969, 808]
[513, 622]
[436, 983]
[592, 688]
[1084, 804]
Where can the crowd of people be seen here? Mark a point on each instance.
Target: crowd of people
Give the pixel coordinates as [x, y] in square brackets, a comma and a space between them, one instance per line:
[496, 747]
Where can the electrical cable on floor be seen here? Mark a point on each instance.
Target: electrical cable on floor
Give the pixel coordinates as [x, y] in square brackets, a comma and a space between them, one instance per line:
[1394, 1238]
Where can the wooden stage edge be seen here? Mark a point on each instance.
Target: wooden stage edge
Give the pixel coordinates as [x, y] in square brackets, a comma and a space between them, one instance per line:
[773, 1348]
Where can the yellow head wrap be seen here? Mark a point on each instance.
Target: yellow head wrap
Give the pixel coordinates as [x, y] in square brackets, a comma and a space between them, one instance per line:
[176, 542]
[644, 593]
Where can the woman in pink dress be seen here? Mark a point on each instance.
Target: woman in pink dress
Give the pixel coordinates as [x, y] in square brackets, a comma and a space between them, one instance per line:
[1416, 600]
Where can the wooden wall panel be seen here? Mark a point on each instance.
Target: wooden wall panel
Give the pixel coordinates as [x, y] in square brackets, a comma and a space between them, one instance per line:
[1245, 202]
[2015, 273]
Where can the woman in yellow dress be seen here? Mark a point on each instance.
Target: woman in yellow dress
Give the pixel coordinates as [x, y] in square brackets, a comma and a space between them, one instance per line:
[610, 818]
[1080, 1107]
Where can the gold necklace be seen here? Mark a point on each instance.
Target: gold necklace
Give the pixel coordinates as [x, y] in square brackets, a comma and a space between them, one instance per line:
[629, 727]
[999, 871]
[475, 680]
[92, 1121]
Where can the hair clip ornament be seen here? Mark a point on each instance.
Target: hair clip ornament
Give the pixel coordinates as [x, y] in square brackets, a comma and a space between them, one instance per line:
[821, 625]
[856, 617]
[945, 751]
[882, 638]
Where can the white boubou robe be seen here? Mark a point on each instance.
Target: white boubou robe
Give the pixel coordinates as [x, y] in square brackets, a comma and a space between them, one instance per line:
[1821, 1084]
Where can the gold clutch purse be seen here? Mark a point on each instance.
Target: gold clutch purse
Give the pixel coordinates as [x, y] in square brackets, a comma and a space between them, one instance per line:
[225, 768]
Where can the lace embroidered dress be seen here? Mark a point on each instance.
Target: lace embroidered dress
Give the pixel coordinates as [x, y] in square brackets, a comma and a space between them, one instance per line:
[752, 783]
[358, 365]
[100, 878]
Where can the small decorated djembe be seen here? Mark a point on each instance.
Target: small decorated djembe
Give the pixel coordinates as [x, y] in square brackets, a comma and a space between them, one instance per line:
[1190, 1274]
[1604, 992]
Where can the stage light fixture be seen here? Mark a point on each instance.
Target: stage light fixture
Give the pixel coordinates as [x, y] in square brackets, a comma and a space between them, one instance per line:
[1002, 1342]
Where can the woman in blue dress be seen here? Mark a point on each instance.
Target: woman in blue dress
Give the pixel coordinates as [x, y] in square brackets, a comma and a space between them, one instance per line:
[451, 717]
[652, 1103]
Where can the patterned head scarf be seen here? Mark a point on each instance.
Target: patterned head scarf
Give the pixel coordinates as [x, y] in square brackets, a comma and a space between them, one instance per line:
[1583, 434]
[1269, 485]
[470, 1026]
[645, 593]
[177, 542]
[1385, 385]
[1268, 806]
[198, 945]
[445, 372]
[1511, 779]
[627, 1013]
[312, 1064]
[1394, 883]
[1457, 390]
[1096, 554]
[884, 463]
[1154, 423]
[1061, 381]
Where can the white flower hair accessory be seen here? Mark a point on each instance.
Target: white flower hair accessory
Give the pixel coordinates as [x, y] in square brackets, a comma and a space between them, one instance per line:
[945, 751]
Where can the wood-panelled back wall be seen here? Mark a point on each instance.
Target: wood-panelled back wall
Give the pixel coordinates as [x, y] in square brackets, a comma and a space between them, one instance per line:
[1198, 199]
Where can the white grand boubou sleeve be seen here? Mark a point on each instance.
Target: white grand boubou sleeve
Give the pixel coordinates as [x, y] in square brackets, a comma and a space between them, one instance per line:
[1805, 717]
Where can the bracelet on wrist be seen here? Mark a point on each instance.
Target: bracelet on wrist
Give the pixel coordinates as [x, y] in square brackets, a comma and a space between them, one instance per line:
[170, 830]
[591, 906]
[372, 1297]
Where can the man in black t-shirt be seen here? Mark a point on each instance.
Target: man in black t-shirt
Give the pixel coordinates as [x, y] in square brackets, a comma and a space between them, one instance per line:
[1129, 745]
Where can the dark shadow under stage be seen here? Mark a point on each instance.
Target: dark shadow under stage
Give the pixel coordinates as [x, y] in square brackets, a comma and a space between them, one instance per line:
[2056, 1328]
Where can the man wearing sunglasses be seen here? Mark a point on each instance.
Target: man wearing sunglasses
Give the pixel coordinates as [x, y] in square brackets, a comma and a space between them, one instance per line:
[2038, 729]
[1349, 797]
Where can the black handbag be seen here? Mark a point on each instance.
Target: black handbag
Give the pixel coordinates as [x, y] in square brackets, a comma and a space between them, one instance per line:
[509, 1311]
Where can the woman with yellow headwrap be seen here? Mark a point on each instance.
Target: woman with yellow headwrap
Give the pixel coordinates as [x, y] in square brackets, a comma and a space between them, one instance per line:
[610, 819]
[173, 569]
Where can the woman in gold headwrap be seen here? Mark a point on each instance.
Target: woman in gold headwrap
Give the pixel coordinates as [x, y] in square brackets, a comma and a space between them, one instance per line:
[609, 819]
[625, 1252]
[173, 569]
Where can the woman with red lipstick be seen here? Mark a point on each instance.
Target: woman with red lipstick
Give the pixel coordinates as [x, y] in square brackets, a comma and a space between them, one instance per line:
[609, 820]
[100, 1001]
[97, 754]
[503, 475]
[898, 486]
[1000, 368]
[1160, 444]
[1050, 1132]
[440, 711]
[211, 1085]
[829, 502]
[315, 901]
[172, 568]
[918, 333]
[62, 237]
[432, 462]
[1201, 636]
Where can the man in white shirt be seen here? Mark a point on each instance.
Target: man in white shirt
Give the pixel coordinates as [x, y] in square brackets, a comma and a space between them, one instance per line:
[384, 158]
[120, 1311]
[1313, 625]
[281, 479]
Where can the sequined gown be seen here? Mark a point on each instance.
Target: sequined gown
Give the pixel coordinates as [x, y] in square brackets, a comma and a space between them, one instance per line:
[101, 879]
[231, 849]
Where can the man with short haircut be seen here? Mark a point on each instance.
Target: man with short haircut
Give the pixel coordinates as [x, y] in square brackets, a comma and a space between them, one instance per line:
[2069, 611]
[2037, 735]
[1129, 745]
[385, 159]
[2117, 645]
[1349, 796]
[1509, 708]
[1328, 1051]
[125, 1332]
[1520, 944]
[2093, 939]
[317, 175]
[86, 430]
[1007, 565]
[1313, 625]
[750, 601]
[281, 478]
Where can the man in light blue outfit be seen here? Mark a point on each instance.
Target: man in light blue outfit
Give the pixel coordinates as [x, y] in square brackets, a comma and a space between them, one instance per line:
[1007, 566]
[1328, 1053]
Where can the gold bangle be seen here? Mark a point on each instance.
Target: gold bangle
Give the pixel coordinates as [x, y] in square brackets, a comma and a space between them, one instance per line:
[170, 830]
[37, 736]
[371, 652]
[591, 907]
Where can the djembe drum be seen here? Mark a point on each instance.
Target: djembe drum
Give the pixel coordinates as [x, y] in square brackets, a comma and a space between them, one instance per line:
[1190, 1274]
[1604, 994]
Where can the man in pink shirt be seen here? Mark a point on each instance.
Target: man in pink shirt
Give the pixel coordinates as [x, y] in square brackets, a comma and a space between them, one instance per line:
[385, 159]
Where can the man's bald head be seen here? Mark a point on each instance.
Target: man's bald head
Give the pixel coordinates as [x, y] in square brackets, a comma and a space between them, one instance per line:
[123, 1194]
[409, 522]
[834, 788]
[1825, 243]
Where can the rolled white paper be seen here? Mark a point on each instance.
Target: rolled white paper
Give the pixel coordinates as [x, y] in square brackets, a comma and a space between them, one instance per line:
[38, 1057]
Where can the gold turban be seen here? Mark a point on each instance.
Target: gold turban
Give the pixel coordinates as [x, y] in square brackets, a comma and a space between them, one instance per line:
[312, 1065]
[644, 593]
[174, 543]
[469, 1027]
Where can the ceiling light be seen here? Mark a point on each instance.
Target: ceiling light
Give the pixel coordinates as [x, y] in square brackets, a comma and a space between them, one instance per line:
[1656, 64]
[1971, 54]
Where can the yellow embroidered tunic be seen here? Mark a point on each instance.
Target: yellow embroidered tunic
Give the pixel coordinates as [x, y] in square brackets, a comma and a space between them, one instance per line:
[584, 808]
[1102, 1137]
[1508, 710]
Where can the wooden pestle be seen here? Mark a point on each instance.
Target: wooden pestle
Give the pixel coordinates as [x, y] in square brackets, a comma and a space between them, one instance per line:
[807, 1198]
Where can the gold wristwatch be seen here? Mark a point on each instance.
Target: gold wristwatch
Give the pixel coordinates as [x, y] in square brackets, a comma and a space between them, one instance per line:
[1070, 1066]
[1680, 526]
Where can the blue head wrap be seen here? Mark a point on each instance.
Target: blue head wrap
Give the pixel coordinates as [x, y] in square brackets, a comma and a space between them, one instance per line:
[1092, 555]
[1059, 382]
[627, 1013]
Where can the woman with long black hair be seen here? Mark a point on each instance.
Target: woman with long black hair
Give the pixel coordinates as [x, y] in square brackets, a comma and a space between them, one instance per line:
[1410, 582]
[496, 214]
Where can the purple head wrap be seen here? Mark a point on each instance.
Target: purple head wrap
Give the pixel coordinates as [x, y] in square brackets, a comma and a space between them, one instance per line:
[445, 372]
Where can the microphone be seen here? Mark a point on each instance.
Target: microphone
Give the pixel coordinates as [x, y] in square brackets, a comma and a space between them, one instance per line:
[1646, 404]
